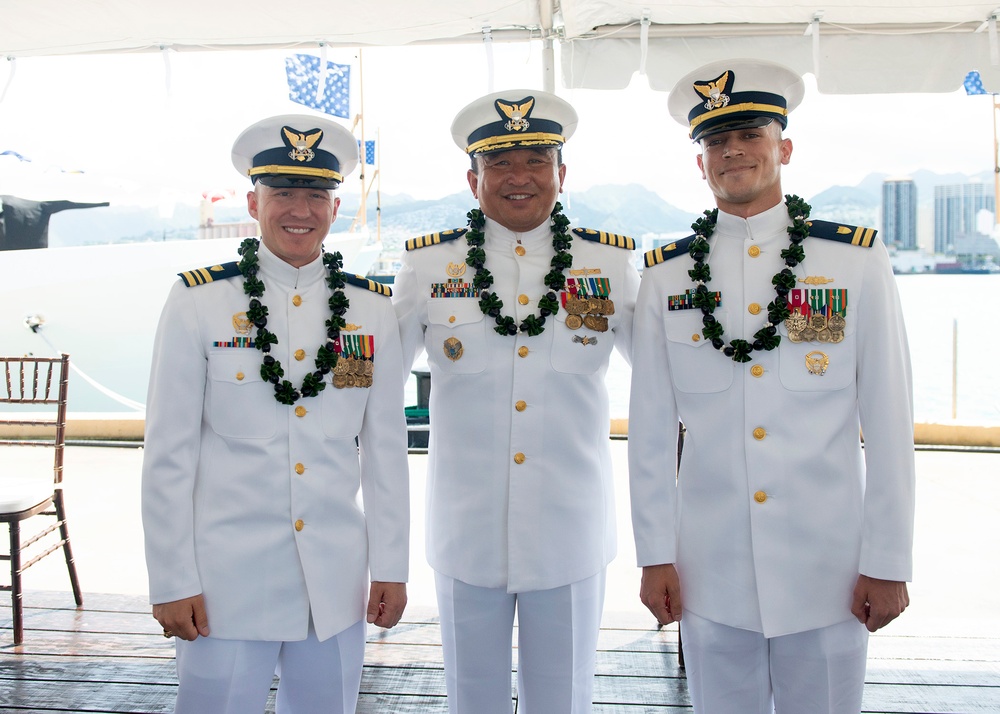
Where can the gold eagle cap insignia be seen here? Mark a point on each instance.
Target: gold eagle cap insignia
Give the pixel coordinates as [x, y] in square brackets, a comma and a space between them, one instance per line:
[517, 113]
[301, 143]
[715, 90]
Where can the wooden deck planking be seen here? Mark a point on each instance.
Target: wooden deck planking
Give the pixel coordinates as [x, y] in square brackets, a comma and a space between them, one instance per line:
[111, 657]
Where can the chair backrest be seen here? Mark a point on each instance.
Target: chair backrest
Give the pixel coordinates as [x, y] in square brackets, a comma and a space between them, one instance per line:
[42, 382]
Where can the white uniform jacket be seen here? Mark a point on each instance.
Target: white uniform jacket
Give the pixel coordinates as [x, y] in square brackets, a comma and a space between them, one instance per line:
[520, 490]
[776, 509]
[255, 503]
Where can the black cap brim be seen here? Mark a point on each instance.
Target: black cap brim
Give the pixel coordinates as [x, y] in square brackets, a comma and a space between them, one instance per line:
[280, 181]
[748, 123]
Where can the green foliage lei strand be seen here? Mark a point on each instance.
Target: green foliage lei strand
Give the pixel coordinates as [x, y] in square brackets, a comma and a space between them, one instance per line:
[766, 338]
[555, 279]
[326, 356]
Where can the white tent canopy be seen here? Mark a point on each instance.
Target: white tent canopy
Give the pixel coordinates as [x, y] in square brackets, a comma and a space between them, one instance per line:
[851, 46]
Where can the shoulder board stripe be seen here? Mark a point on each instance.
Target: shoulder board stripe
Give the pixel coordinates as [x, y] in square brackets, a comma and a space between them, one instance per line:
[612, 239]
[666, 252]
[435, 238]
[373, 285]
[203, 276]
[854, 235]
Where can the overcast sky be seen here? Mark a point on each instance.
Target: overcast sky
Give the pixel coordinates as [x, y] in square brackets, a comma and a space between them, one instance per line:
[112, 117]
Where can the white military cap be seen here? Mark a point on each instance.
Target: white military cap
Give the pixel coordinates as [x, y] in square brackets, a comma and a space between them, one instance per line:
[513, 119]
[734, 94]
[296, 150]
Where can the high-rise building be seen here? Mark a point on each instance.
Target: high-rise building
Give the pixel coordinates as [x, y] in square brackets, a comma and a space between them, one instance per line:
[899, 213]
[956, 211]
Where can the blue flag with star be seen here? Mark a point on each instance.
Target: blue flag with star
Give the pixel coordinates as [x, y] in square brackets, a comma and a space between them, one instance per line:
[974, 83]
[369, 151]
[304, 75]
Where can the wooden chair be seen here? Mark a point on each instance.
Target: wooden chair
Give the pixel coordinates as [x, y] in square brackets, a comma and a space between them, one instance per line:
[33, 383]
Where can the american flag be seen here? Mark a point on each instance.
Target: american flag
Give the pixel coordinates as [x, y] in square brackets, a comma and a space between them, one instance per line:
[303, 72]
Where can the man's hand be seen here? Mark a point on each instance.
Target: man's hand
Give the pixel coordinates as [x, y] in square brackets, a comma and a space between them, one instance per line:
[876, 602]
[183, 618]
[660, 591]
[386, 602]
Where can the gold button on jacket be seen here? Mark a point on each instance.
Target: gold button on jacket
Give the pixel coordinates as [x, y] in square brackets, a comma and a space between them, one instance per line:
[520, 405]
[760, 497]
[759, 433]
[518, 458]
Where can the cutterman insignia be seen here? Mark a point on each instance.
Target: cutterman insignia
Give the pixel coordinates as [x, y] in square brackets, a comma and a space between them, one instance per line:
[855, 235]
[666, 252]
[435, 238]
[202, 276]
[363, 282]
[618, 241]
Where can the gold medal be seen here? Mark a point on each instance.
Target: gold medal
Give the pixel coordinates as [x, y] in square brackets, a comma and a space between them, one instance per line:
[817, 362]
[341, 367]
[453, 349]
[795, 324]
[350, 380]
[574, 322]
[576, 306]
[596, 323]
[339, 381]
[607, 307]
[368, 367]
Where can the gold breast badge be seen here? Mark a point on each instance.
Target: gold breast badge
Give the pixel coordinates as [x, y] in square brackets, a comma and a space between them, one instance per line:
[241, 323]
[817, 362]
[456, 270]
[453, 349]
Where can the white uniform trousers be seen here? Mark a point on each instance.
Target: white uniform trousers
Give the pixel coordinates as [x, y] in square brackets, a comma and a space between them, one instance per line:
[556, 646]
[234, 676]
[734, 671]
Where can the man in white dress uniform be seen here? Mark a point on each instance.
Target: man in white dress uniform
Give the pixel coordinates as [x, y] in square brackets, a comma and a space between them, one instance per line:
[776, 340]
[518, 314]
[276, 394]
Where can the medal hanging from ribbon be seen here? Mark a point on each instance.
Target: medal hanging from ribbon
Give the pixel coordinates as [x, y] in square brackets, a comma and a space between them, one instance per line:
[355, 365]
[817, 315]
[587, 303]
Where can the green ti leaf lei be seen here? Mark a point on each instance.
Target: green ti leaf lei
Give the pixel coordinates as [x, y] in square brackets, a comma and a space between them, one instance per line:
[767, 337]
[555, 280]
[326, 356]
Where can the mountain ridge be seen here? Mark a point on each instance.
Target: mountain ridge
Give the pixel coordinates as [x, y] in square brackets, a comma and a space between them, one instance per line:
[629, 209]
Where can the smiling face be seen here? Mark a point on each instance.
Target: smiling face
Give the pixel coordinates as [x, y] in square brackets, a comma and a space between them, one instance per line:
[294, 222]
[518, 188]
[743, 168]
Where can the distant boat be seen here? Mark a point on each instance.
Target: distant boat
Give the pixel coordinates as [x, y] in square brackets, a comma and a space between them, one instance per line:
[955, 267]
